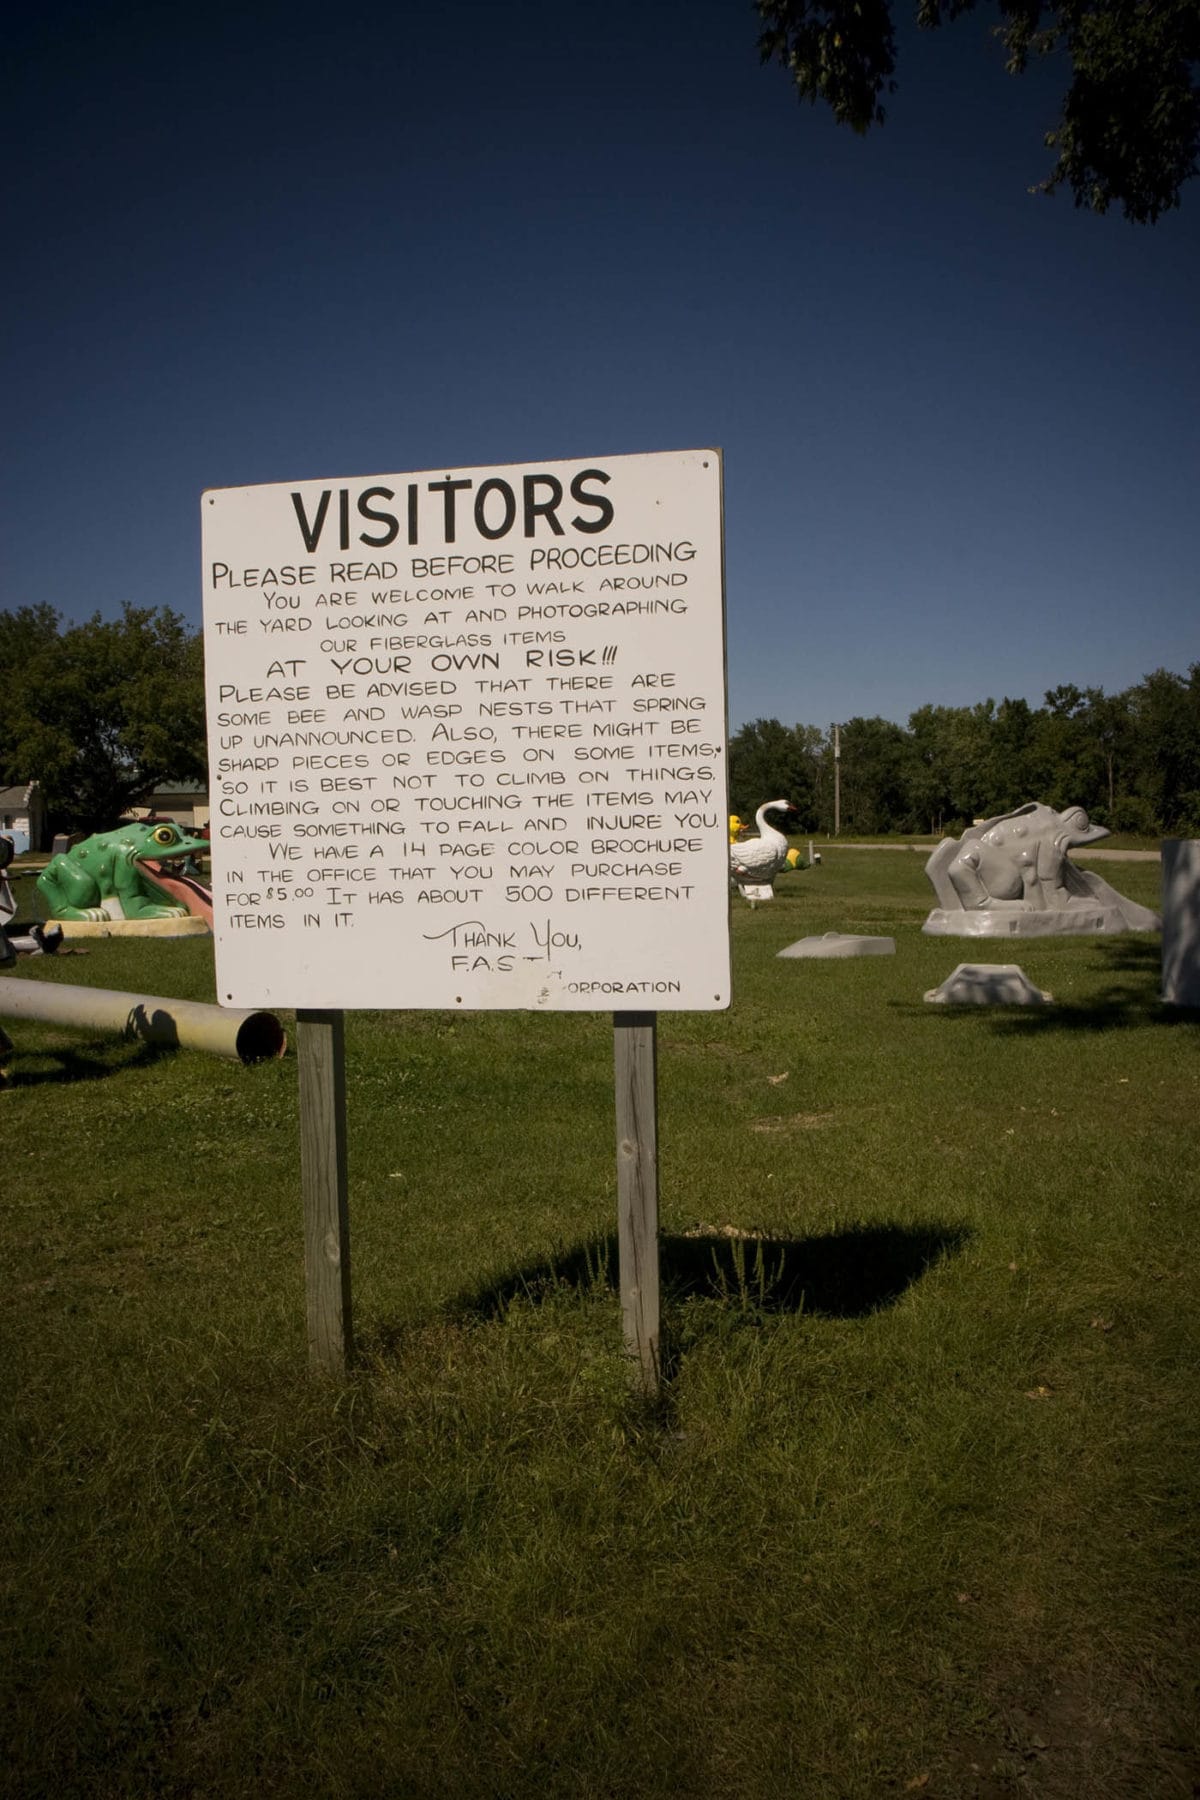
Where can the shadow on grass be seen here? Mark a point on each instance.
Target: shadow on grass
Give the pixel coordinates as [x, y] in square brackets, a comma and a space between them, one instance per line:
[1119, 1004]
[92, 1063]
[843, 1275]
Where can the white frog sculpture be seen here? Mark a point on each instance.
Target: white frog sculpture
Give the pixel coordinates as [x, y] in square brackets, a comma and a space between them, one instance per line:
[1012, 876]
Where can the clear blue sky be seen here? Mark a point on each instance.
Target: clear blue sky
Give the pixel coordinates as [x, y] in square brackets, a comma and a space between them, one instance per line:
[259, 242]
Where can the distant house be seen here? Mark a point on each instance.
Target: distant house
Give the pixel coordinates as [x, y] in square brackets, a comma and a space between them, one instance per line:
[21, 815]
[184, 801]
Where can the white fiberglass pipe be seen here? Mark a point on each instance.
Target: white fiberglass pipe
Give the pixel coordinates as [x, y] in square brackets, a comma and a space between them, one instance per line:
[247, 1037]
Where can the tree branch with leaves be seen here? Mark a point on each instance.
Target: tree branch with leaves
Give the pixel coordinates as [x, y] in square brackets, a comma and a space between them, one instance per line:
[1128, 132]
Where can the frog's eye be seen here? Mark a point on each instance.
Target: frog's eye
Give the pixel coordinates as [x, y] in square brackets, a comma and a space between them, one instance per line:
[163, 834]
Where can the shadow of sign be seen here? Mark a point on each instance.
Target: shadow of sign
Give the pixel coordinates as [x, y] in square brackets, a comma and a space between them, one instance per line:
[840, 1275]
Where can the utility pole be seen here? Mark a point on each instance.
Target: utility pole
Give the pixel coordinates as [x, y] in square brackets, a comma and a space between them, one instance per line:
[837, 781]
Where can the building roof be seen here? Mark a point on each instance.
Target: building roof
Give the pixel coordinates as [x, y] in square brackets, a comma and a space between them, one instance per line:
[15, 796]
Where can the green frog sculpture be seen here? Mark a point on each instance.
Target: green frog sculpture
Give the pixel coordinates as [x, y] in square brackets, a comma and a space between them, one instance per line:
[118, 874]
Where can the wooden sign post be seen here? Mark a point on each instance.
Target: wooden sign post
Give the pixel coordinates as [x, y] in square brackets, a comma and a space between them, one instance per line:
[635, 1072]
[467, 744]
[321, 1050]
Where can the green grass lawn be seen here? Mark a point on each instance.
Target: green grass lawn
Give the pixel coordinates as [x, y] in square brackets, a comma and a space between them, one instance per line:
[917, 1513]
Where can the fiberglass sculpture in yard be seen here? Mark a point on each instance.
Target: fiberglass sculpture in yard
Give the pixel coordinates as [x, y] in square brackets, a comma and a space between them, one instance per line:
[755, 862]
[141, 875]
[1012, 876]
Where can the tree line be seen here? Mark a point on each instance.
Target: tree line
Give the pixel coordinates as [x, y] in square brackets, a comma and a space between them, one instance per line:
[100, 713]
[104, 711]
[1132, 759]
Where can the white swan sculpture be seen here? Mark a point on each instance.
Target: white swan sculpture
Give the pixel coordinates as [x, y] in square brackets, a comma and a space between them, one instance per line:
[755, 862]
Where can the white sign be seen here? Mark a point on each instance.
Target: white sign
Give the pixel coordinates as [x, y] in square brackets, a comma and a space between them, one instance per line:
[467, 738]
